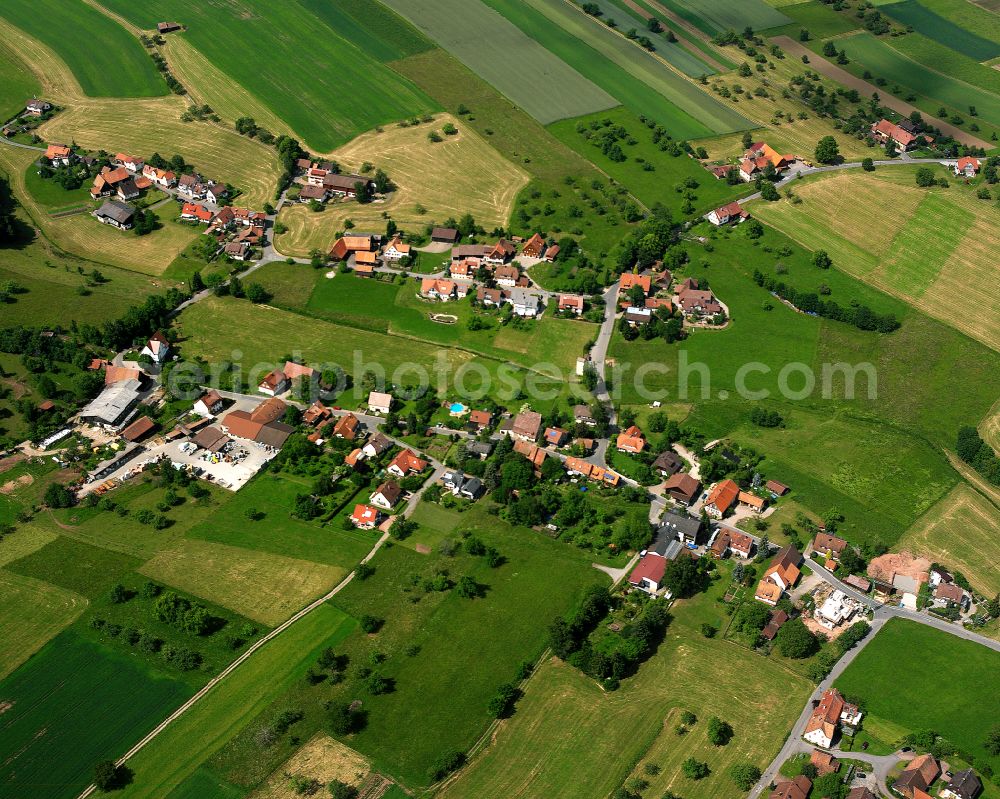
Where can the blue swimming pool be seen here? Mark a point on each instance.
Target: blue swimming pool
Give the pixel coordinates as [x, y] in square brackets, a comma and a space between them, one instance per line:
[458, 407]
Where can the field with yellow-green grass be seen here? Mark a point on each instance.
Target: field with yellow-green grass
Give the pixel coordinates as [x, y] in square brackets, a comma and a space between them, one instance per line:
[935, 249]
[960, 532]
[434, 180]
[787, 134]
[260, 585]
[569, 739]
[31, 612]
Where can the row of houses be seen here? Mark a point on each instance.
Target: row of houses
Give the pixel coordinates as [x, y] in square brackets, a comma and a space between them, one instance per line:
[322, 181]
[238, 230]
[755, 163]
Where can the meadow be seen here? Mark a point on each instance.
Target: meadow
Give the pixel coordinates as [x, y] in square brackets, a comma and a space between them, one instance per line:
[944, 59]
[722, 15]
[958, 532]
[443, 665]
[74, 703]
[175, 756]
[570, 739]
[17, 84]
[31, 613]
[395, 309]
[903, 427]
[947, 689]
[638, 79]
[519, 67]
[118, 68]
[885, 62]
[820, 20]
[308, 93]
[974, 17]
[934, 250]
[942, 29]
[651, 186]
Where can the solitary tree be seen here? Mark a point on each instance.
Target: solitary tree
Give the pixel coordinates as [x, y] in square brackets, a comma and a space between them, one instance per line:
[827, 151]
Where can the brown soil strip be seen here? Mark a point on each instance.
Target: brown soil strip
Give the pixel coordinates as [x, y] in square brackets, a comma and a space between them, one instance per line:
[642, 12]
[845, 78]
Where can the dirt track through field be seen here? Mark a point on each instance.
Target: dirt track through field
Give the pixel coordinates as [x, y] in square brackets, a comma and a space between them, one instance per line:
[845, 78]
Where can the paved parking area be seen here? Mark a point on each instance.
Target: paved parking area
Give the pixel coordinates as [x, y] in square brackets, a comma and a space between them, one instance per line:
[230, 469]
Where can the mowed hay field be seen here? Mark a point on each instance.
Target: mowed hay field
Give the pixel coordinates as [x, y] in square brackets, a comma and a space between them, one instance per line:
[31, 613]
[936, 249]
[960, 532]
[106, 59]
[265, 587]
[569, 739]
[321, 758]
[324, 86]
[446, 179]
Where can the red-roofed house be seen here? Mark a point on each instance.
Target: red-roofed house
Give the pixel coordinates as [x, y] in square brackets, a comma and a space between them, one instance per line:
[131, 163]
[346, 427]
[721, 498]
[365, 517]
[58, 154]
[732, 212]
[628, 279]
[407, 462]
[967, 166]
[387, 495]
[161, 177]
[275, 382]
[571, 302]
[437, 289]
[533, 247]
[648, 573]
[631, 441]
[797, 788]
[885, 131]
[196, 213]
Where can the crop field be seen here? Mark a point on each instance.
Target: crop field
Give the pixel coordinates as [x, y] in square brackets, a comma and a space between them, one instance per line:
[119, 67]
[31, 613]
[951, 62]
[184, 746]
[722, 15]
[649, 186]
[975, 17]
[265, 587]
[943, 30]
[435, 181]
[17, 83]
[308, 93]
[515, 64]
[571, 740]
[935, 250]
[948, 689]
[73, 704]
[273, 495]
[958, 532]
[320, 758]
[638, 79]
[886, 62]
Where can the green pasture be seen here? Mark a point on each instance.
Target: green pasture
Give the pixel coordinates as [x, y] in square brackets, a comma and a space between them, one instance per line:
[337, 91]
[978, 18]
[383, 34]
[820, 20]
[722, 15]
[105, 58]
[18, 84]
[88, 570]
[942, 58]
[946, 31]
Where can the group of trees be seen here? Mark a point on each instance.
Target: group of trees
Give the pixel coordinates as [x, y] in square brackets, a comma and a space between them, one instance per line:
[861, 316]
[978, 454]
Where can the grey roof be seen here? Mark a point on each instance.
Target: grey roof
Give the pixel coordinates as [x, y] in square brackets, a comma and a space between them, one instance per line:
[673, 523]
[274, 434]
[114, 402]
[479, 447]
[121, 212]
[966, 784]
[528, 299]
[473, 486]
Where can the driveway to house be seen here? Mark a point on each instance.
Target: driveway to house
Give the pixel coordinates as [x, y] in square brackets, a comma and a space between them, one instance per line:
[845, 78]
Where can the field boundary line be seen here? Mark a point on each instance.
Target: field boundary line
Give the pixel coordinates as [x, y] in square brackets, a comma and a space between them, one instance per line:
[163, 725]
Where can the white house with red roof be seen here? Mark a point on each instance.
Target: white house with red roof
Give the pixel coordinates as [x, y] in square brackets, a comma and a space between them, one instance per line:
[648, 573]
[731, 213]
[967, 166]
[885, 131]
[157, 348]
[365, 517]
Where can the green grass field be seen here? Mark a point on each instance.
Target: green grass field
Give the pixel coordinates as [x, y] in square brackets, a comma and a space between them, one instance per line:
[635, 77]
[943, 30]
[31, 613]
[942, 58]
[974, 17]
[571, 740]
[885, 62]
[73, 704]
[721, 15]
[384, 35]
[274, 494]
[820, 20]
[514, 63]
[464, 648]
[177, 753]
[328, 98]
[87, 570]
[119, 67]
[945, 686]
[17, 84]
[650, 186]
